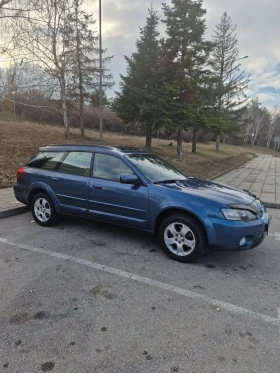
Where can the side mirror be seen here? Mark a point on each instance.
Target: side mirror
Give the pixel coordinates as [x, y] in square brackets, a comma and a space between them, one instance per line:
[129, 179]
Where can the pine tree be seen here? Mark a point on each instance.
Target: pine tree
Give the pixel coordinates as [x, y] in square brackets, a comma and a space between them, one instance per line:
[95, 98]
[231, 100]
[139, 88]
[85, 69]
[186, 55]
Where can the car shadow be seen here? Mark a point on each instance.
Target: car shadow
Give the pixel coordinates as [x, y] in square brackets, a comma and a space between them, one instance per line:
[118, 231]
[219, 260]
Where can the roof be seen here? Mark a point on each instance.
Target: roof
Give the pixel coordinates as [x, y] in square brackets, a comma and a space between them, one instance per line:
[92, 148]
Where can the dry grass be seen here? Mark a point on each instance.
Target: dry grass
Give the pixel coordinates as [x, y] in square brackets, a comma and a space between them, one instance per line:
[19, 140]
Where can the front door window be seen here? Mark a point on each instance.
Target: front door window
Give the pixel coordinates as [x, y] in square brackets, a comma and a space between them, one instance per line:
[109, 167]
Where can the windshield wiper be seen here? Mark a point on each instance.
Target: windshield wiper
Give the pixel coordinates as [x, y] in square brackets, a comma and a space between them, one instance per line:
[168, 181]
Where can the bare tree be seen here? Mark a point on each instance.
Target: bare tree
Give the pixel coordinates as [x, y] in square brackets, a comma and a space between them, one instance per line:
[45, 40]
[25, 88]
[257, 120]
[11, 11]
[85, 71]
[16, 8]
[4, 2]
[8, 87]
[274, 123]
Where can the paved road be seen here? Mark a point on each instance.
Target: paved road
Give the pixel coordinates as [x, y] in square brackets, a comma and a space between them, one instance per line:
[261, 176]
[86, 297]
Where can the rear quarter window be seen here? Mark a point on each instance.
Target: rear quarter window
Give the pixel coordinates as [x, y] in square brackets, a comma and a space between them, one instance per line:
[46, 160]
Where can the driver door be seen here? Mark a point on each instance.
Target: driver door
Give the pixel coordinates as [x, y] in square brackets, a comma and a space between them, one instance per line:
[112, 201]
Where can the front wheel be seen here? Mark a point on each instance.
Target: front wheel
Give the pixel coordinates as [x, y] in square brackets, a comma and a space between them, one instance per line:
[43, 210]
[182, 238]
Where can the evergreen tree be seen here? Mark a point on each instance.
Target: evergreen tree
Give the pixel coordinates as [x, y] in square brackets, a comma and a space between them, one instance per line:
[231, 100]
[95, 98]
[140, 87]
[84, 48]
[186, 54]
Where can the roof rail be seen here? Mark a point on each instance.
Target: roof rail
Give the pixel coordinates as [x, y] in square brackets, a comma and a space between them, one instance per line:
[85, 145]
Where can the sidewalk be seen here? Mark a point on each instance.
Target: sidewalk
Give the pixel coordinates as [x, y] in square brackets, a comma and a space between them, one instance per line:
[9, 206]
[261, 176]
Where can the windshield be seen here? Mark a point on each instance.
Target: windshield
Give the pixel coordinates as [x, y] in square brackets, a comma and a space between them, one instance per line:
[154, 168]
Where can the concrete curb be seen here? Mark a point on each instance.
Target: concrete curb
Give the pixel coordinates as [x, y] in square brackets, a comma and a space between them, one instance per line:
[272, 205]
[13, 211]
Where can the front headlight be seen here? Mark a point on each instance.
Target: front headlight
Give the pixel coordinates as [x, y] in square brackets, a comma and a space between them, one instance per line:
[238, 215]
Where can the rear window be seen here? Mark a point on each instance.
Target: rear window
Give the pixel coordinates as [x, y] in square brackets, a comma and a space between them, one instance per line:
[46, 160]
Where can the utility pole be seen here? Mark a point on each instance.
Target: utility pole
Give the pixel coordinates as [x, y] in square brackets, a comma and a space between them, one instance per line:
[100, 68]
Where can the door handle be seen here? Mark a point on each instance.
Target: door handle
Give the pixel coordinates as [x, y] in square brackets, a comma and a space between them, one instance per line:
[97, 186]
[55, 179]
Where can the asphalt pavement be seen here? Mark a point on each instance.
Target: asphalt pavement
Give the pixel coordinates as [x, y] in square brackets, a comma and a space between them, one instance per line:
[86, 297]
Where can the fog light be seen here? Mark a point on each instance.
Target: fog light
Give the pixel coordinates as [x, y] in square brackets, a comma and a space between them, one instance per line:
[243, 241]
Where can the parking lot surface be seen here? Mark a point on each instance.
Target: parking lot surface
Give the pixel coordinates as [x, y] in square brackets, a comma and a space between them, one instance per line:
[86, 297]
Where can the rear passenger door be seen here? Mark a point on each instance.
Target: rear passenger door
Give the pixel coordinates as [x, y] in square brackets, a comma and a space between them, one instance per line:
[71, 181]
[111, 201]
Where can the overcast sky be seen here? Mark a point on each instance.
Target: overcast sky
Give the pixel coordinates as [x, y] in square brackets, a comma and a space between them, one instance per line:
[258, 31]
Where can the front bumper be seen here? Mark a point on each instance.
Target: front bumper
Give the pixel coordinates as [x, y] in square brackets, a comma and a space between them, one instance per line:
[229, 233]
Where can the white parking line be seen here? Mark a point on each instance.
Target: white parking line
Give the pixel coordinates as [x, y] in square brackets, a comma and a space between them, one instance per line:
[161, 285]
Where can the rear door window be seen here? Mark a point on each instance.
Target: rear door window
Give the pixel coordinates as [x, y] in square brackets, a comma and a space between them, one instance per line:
[76, 163]
[46, 160]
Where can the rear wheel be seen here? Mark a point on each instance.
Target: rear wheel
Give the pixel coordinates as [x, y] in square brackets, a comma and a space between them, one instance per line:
[182, 238]
[43, 210]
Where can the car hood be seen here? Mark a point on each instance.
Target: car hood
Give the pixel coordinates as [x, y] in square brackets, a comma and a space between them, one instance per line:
[213, 191]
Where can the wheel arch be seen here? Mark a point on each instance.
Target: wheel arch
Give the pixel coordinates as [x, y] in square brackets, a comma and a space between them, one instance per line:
[42, 188]
[172, 211]
[33, 193]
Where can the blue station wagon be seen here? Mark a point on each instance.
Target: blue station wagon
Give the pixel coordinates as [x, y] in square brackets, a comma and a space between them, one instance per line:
[134, 188]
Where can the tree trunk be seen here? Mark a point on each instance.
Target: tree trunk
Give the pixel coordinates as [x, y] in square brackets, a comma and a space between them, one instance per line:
[148, 136]
[82, 122]
[224, 140]
[218, 140]
[64, 110]
[180, 144]
[65, 118]
[194, 140]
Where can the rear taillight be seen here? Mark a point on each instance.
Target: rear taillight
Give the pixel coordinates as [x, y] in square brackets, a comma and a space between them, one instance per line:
[20, 171]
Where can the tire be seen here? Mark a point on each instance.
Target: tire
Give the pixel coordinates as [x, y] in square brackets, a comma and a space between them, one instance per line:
[43, 210]
[188, 240]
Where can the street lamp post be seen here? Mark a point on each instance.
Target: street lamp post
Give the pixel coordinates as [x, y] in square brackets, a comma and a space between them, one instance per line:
[100, 72]
[252, 141]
